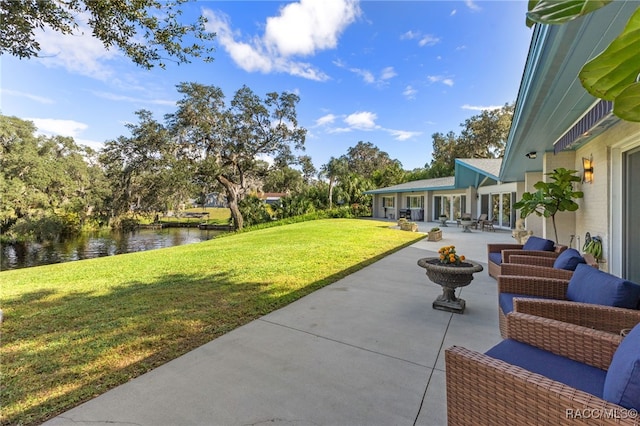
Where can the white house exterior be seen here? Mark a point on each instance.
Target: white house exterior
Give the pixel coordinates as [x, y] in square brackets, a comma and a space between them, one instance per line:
[557, 119]
[475, 189]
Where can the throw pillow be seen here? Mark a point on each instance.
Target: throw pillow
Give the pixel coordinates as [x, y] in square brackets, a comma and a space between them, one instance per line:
[590, 285]
[569, 260]
[537, 243]
[622, 383]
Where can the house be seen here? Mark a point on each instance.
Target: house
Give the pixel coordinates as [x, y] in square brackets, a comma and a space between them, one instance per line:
[475, 189]
[556, 123]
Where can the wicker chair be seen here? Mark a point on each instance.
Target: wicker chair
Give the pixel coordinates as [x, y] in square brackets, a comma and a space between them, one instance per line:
[508, 250]
[597, 317]
[513, 288]
[483, 390]
[540, 266]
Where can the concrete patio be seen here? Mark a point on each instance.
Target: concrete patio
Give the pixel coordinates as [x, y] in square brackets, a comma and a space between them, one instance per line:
[366, 350]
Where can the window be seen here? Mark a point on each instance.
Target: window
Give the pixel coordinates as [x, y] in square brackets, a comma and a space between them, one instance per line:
[388, 202]
[415, 202]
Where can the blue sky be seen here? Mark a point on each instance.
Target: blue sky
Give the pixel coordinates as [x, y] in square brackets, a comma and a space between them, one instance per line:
[387, 72]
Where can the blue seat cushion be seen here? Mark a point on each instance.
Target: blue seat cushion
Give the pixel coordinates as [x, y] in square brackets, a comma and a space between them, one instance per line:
[505, 301]
[496, 258]
[590, 285]
[569, 260]
[622, 384]
[555, 367]
[537, 243]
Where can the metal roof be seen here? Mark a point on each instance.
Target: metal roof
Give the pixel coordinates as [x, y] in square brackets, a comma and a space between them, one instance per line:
[551, 99]
[468, 172]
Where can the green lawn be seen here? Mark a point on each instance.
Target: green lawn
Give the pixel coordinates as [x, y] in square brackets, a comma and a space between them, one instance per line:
[74, 330]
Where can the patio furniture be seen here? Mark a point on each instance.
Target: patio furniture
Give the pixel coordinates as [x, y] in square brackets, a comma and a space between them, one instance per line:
[598, 317]
[463, 217]
[561, 267]
[546, 372]
[487, 225]
[535, 246]
[479, 221]
[587, 285]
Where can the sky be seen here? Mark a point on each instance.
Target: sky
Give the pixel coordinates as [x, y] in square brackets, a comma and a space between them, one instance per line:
[387, 72]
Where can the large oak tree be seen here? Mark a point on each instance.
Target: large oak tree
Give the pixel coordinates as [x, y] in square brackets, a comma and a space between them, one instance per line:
[226, 142]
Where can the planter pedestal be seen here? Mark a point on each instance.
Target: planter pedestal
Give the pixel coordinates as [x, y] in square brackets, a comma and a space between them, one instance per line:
[450, 277]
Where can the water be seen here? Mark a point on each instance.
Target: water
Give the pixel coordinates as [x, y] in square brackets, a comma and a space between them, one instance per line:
[88, 246]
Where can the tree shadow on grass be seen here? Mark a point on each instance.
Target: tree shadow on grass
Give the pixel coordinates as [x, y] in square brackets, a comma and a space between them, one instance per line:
[60, 350]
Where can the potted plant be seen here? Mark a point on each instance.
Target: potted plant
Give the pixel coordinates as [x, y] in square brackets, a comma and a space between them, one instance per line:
[443, 219]
[551, 197]
[451, 271]
[409, 226]
[435, 234]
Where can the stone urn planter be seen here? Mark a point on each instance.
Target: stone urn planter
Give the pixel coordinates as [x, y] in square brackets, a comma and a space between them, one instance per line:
[450, 277]
[443, 220]
[466, 223]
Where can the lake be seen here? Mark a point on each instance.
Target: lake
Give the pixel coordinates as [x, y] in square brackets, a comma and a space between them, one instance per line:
[91, 245]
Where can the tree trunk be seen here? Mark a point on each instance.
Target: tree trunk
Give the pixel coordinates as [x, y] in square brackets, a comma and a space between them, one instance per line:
[330, 193]
[232, 190]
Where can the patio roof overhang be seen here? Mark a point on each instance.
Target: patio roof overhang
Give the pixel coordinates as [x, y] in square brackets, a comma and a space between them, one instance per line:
[553, 111]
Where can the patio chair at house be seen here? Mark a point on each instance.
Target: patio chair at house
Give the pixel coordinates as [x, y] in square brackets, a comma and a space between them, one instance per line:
[478, 223]
[587, 285]
[488, 225]
[546, 372]
[561, 267]
[498, 254]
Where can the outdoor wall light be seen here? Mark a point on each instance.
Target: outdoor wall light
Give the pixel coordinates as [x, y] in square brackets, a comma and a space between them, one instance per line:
[531, 155]
[587, 166]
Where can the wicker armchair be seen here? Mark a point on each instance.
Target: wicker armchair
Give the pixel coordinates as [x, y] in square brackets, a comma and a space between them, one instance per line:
[535, 287]
[597, 317]
[540, 266]
[483, 390]
[587, 285]
[508, 250]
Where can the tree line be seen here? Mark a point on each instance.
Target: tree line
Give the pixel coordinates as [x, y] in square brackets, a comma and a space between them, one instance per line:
[51, 186]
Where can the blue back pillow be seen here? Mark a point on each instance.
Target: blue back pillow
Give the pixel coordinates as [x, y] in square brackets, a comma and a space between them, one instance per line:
[537, 243]
[590, 285]
[622, 383]
[569, 260]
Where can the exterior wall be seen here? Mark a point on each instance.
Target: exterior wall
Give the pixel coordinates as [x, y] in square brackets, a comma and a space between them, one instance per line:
[565, 221]
[494, 189]
[601, 210]
[532, 222]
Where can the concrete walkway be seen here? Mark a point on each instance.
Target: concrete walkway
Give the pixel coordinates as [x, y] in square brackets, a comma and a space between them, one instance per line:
[366, 350]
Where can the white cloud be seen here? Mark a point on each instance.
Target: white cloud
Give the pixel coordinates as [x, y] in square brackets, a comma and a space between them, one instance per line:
[123, 98]
[52, 126]
[471, 4]
[409, 92]
[403, 135]
[325, 119]
[79, 52]
[480, 108]
[302, 29]
[363, 120]
[440, 79]
[310, 25]
[387, 73]
[424, 40]
[453, 12]
[39, 99]
[368, 77]
[428, 40]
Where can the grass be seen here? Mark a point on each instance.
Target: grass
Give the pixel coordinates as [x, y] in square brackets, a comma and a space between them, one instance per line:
[74, 330]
